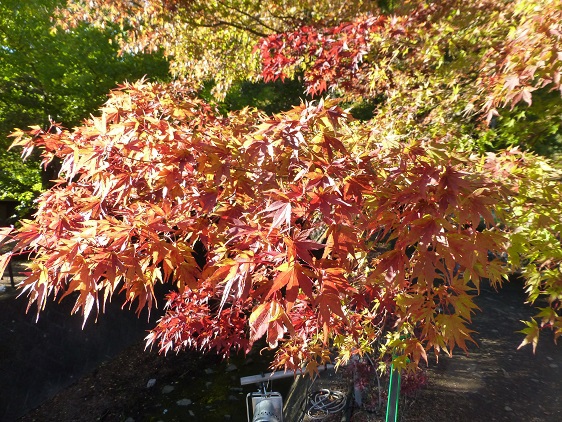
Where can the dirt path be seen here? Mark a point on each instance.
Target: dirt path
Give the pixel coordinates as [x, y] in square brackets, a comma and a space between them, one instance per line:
[495, 381]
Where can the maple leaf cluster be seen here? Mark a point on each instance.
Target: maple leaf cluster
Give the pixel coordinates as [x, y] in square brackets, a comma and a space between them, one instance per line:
[332, 57]
[280, 227]
[529, 59]
[421, 47]
[368, 55]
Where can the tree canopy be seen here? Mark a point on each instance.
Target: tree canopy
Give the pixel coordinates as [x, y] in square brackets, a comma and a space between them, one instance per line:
[324, 235]
[206, 39]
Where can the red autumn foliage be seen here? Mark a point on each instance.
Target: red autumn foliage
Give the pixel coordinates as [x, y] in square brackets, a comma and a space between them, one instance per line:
[311, 240]
[378, 54]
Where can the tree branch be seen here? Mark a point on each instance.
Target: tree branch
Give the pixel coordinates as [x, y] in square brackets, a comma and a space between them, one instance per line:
[252, 17]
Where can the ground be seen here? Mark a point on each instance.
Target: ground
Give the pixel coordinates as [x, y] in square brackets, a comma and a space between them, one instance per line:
[117, 389]
[493, 382]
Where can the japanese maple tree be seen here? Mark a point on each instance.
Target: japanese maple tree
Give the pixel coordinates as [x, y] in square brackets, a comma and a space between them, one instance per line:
[326, 236]
[310, 239]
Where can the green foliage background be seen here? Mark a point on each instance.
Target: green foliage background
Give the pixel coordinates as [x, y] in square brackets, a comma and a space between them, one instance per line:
[47, 74]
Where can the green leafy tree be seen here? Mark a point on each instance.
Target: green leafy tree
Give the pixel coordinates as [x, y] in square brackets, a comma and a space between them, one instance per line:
[61, 76]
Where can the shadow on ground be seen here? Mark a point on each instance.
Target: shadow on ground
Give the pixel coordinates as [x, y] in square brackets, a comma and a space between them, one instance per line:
[38, 359]
[495, 381]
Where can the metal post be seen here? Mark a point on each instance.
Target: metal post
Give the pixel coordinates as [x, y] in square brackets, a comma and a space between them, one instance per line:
[393, 395]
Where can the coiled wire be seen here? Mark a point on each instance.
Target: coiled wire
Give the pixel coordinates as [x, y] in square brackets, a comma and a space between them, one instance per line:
[325, 402]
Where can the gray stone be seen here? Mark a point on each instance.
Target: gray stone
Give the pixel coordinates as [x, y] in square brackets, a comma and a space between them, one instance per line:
[508, 409]
[168, 389]
[231, 368]
[151, 382]
[184, 402]
[209, 371]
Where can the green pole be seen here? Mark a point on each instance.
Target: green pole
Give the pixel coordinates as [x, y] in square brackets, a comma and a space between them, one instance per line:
[393, 395]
